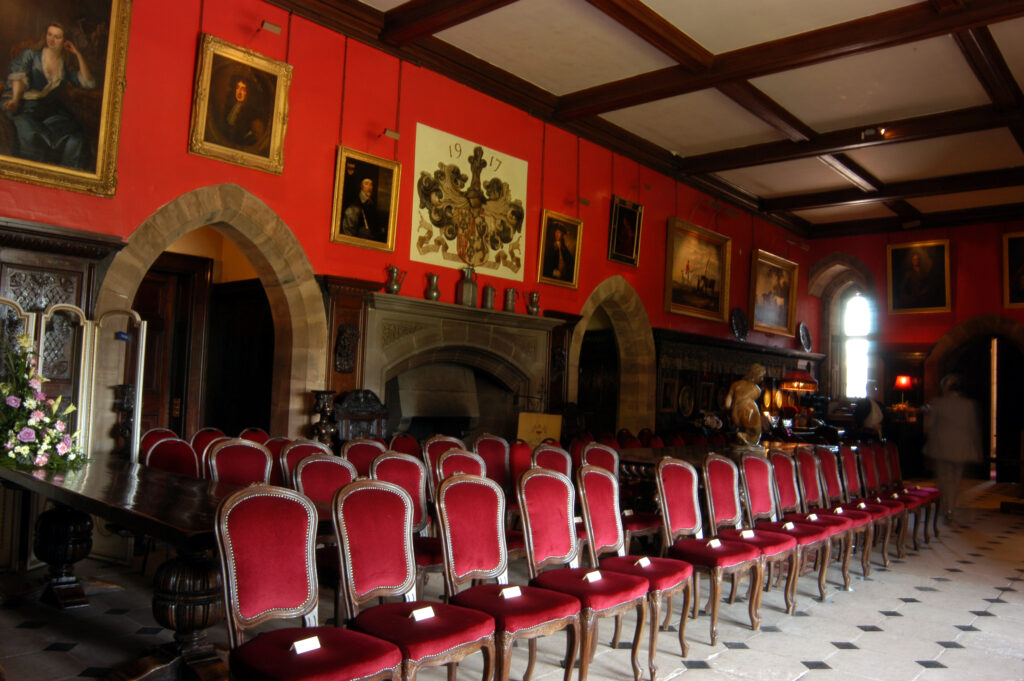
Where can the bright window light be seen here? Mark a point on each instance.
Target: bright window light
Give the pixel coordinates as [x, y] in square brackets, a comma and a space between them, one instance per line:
[856, 327]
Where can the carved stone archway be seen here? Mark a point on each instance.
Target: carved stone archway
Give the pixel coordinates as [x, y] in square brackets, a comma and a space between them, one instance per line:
[947, 349]
[300, 320]
[635, 340]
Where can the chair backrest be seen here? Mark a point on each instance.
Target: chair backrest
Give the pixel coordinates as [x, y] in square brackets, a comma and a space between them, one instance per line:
[471, 516]
[406, 471]
[239, 462]
[552, 457]
[373, 523]
[546, 502]
[202, 438]
[758, 488]
[644, 435]
[608, 439]
[276, 444]
[174, 455]
[204, 453]
[294, 452]
[403, 443]
[597, 454]
[433, 448]
[809, 477]
[677, 490]
[655, 441]
[788, 491]
[494, 450]
[722, 492]
[851, 472]
[361, 452]
[319, 476]
[830, 476]
[254, 434]
[895, 470]
[520, 458]
[152, 436]
[266, 537]
[599, 500]
[868, 470]
[882, 467]
[456, 461]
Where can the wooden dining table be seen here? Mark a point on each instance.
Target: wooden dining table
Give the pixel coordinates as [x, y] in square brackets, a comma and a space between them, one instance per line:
[188, 594]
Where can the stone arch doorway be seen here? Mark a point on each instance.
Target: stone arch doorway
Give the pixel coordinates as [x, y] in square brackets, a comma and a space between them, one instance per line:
[635, 341]
[832, 279]
[300, 321]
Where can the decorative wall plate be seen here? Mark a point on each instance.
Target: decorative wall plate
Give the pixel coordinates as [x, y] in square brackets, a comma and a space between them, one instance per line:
[805, 336]
[684, 403]
[738, 323]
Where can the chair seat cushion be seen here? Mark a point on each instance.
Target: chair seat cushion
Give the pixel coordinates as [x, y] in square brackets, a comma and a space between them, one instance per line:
[859, 517]
[912, 502]
[638, 522]
[894, 505]
[614, 588]
[428, 550]
[770, 543]
[836, 523]
[535, 605]
[450, 627]
[343, 654]
[804, 533]
[876, 511]
[727, 554]
[661, 573]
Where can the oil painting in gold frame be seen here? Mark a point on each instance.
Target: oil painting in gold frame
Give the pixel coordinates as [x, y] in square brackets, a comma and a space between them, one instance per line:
[918, 277]
[697, 263]
[773, 288]
[365, 200]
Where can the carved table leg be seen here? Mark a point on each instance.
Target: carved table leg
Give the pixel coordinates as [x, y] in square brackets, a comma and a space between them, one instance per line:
[63, 537]
[188, 598]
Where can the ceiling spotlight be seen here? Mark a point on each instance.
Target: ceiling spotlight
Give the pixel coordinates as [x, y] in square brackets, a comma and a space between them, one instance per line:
[874, 131]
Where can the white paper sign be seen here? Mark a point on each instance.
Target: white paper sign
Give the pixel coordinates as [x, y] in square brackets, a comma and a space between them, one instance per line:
[511, 592]
[839, 511]
[746, 534]
[421, 614]
[593, 576]
[643, 562]
[813, 516]
[714, 544]
[305, 645]
[789, 526]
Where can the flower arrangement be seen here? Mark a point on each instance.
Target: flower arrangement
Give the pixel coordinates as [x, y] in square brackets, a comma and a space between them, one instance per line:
[36, 427]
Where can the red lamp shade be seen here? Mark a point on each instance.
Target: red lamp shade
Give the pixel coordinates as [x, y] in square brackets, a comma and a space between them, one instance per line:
[902, 382]
[799, 380]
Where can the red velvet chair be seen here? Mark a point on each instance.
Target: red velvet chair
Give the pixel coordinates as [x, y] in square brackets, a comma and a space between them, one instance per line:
[791, 508]
[929, 495]
[722, 493]
[837, 496]
[599, 494]
[760, 494]
[174, 455]
[275, 445]
[873, 492]
[433, 448]
[239, 462]
[470, 509]
[456, 461]
[254, 434]
[403, 443]
[266, 536]
[915, 504]
[373, 522]
[294, 452]
[152, 436]
[546, 500]
[635, 523]
[552, 457]
[683, 536]
[494, 450]
[408, 472]
[361, 452]
[203, 437]
[520, 458]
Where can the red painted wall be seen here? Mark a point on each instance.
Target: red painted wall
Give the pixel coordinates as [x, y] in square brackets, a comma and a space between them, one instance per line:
[346, 93]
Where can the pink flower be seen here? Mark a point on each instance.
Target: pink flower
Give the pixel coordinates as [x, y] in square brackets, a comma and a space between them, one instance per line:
[13, 401]
[37, 415]
[66, 441]
[40, 396]
[62, 448]
[26, 434]
[41, 459]
[59, 426]
[35, 384]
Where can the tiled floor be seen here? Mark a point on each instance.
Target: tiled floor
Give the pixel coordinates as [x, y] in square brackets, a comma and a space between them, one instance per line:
[952, 610]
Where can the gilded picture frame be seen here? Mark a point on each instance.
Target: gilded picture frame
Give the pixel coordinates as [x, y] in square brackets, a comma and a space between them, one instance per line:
[667, 395]
[624, 231]
[773, 289]
[558, 258]
[697, 266]
[1013, 270]
[88, 102]
[365, 208]
[918, 277]
[239, 106]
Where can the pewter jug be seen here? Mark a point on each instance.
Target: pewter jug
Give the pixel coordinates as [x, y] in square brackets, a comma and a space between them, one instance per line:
[466, 293]
[395, 279]
[510, 299]
[432, 292]
[487, 300]
[533, 307]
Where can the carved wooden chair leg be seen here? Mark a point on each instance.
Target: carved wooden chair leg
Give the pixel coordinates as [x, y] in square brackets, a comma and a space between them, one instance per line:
[641, 618]
[901, 536]
[654, 605]
[732, 591]
[755, 596]
[716, 594]
[824, 558]
[687, 597]
[869, 538]
[791, 577]
[847, 549]
[618, 631]
[587, 620]
[696, 595]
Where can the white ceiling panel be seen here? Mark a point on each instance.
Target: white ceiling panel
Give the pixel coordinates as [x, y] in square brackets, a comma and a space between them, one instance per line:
[696, 123]
[726, 25]
[383, 5]
[899, 82]
[860, 211]
[560, 46]
[783, 179]
[953, 155]
[964, 200]
[1009, 36]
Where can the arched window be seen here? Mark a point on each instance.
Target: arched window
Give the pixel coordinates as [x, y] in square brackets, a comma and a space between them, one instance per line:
[858, 326]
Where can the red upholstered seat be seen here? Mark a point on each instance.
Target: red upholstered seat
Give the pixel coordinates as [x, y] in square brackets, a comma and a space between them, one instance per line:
[552, 457]
[433, 448]
[456, 461]
[494, 451]
[519, 458]
[403, 443]
[174, 455]
[546, 500]
[361, 452]
[266, 536]
[292, 453]
[319, 476]
[471, 511]
[152, 436]
[661, 574]
[682, 533]
[239, 462]
[255, 434]
[373, 522]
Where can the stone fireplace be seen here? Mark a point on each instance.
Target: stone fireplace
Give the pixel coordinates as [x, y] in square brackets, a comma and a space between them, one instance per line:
[453, 369]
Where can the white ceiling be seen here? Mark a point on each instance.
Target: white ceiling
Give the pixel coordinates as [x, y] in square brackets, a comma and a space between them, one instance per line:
[870, 71]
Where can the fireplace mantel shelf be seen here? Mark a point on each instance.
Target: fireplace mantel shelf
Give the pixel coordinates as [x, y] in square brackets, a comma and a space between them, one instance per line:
[388, 302]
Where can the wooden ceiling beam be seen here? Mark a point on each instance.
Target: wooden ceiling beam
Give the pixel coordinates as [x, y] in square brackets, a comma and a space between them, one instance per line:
[768, 110]
[652, 27]
[860, 137]
[964, 182]
[986, 60]
[852, 172]
[906, 24]
[954, 218]
[417, 19]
